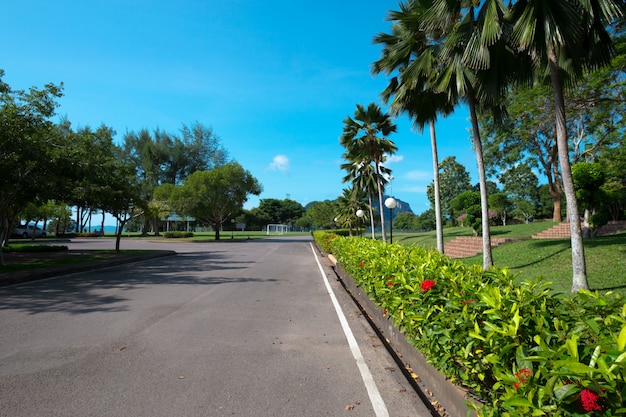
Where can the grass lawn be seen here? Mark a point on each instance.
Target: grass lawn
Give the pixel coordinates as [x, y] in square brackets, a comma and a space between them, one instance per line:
[551, 258]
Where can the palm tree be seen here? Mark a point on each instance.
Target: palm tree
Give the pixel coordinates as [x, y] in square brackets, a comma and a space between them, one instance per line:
[348, 204]
[566, 37]
[363, 178]
[411, 53]
[476, 67]
[361, 139]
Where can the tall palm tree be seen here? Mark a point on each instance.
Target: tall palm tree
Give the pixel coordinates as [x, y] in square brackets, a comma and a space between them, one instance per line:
[566, 37]
[410, 53]
[349, 202]
[476, 67]
[361, 139]
[363, 178]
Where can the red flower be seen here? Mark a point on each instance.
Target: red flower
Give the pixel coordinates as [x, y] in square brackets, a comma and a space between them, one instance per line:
[361, 263]
[390, 284]
[523, 374]
[384, 312]
[428, 284]
[589, 400]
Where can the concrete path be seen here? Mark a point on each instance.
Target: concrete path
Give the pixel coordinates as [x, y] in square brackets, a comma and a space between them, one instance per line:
[232, 328]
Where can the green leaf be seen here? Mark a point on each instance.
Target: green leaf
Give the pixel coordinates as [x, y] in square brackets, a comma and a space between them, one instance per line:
[565, 391]
[574, 366]
[593, 325]
[621, 340]
[517, 402]
[572, 346]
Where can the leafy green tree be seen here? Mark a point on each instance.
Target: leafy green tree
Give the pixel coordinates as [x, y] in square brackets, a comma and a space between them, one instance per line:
[466, 207]
[121, 196]
[453, 180]
[526, 135]
[163, 157]
[364, 138]
[426, 221]
[90, 156]
[322, 214]
[280, 211]
[588, 181]
[214, 196]
[29, 150]
[405, 221]
[501, 205]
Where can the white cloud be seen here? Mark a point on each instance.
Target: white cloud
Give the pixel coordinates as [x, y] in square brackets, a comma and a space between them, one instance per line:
[280, 163]
[392, 159]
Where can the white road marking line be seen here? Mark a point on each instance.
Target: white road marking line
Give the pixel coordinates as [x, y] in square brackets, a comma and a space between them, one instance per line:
[377, 401]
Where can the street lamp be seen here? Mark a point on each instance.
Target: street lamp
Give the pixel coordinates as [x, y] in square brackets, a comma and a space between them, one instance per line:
[232, 229]
[391, 203]
[359, 213]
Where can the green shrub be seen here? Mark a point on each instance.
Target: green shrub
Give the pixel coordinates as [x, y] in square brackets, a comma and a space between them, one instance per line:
[324, 239]
[519, 349]
[177, 234]
[34, 248]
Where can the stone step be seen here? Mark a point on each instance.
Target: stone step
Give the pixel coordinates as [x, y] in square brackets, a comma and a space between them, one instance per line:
[466, 246]
[561, 230]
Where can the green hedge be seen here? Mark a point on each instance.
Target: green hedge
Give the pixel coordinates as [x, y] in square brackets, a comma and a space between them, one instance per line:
[34, 248]
[177, 235]
[518, 348]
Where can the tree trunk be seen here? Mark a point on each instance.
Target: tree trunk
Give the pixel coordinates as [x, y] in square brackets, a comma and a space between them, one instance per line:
[554, 187]
[579, 269]
[118, 237]
[380, 202]
[369, 197]
[586, 227]
[217, 226]
[484, 198]
[439, 221]
[155, 226]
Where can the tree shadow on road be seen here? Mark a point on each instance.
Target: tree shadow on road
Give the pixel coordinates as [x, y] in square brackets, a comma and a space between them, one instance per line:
[92, 291]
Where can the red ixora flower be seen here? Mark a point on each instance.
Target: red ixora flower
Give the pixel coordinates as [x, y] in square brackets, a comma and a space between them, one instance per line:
[589, 400]
[428, 284]
[522, 376]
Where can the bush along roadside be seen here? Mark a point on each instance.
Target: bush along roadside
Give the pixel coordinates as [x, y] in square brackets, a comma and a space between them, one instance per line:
[517, 348]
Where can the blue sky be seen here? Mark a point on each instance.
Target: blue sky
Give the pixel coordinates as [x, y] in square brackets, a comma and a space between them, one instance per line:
[274, 79]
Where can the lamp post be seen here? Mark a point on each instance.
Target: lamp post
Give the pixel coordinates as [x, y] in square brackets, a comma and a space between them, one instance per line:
[391, 203]
[232, 229]
[359, 213]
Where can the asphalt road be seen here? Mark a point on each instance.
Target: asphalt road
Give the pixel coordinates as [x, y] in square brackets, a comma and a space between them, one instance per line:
[232, 328]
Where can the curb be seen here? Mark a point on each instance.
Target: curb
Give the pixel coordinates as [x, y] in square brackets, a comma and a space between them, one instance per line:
[444, 397]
